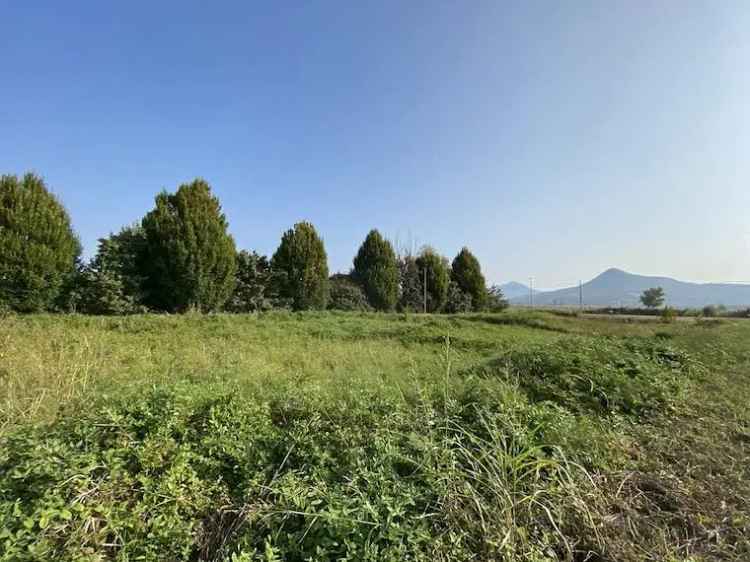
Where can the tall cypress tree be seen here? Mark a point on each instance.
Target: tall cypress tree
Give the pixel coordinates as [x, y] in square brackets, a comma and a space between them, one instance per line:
[38, 248]
[466, 273]
[300, 267]
[189, 259]
[376, 270]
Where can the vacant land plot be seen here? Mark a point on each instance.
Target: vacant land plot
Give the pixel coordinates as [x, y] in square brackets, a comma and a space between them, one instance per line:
[520, 436]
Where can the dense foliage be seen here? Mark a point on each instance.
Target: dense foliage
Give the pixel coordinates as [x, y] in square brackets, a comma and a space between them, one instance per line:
[181, 257]
[457, 300]
[190, 256]
[376, 270]
[38, 248]
[653, 297]
[346, 294]
[411, 298]
[495, 300]
[301, 268]
[252, 289]
[466, 273]
[435, 269]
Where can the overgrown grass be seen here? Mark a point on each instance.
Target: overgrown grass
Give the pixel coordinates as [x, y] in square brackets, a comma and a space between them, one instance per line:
[524, 436]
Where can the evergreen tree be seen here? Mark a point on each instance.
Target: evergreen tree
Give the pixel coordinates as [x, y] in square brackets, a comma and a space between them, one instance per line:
[189, 257]
[466, 273]
[376, 270]
[252, 280]
[438, 278]
[300, 268]
[38, 248]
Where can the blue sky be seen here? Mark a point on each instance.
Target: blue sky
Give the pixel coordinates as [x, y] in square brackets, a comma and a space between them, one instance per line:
[555, 139]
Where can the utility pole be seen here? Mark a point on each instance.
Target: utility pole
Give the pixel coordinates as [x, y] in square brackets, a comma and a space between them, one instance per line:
[424, 285]
[531, 292]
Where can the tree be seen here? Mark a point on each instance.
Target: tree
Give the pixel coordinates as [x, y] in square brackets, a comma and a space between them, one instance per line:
[466, 273]
[436, 270]
[457, 301]
[376, 270]
[38, 248]
[653, 297]
[346, 294]
[252, 280]
[410, 284]
[496, 301]
[97, 291]
[189, 255]
[300, 265]
[124, 255]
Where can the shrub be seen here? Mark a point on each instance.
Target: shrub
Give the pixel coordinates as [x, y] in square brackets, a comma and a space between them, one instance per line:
[252, 281]
[466, 273]
[458, 301]
[435, 269]
[38, 247]
[124, 255]
[709, 311]
[669, 315]
[190, 257]
[495, 300]
[410, 284]
[346, 294]
[376, 270]
[300, 265]
[99, 291]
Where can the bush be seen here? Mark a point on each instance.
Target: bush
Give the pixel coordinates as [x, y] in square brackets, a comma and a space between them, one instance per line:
[300, 266]
[669, 315]
[435, 269]
[97, 291]
[190, 257]
[495, 300]
[252, 284]
[346, 294]
[411, 298]
[38, 248]
[466, 273]
[124, 256]
[709, 311]
[376, 271]
[458, 301]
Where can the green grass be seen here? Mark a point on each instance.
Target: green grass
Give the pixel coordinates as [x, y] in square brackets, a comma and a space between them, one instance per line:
[521, 436]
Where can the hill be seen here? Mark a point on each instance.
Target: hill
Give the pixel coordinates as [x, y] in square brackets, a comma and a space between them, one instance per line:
[515, 289]
[616, 287]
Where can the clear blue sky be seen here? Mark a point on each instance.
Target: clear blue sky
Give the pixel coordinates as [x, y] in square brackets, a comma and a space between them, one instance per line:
[555, 139]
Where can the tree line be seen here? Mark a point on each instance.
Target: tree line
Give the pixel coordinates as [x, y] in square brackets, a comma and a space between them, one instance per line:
[181, 257]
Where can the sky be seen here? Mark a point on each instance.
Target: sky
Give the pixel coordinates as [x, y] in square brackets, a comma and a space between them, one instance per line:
[554, 139]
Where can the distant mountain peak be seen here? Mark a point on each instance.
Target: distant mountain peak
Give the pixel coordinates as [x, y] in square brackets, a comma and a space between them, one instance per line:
[613, 271]
[616, 287]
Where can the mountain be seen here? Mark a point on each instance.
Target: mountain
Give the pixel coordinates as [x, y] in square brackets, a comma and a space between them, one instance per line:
[514, 289]
[616, 287]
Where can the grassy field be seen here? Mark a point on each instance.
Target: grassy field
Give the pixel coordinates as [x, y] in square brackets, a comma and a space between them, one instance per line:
[519, 436]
